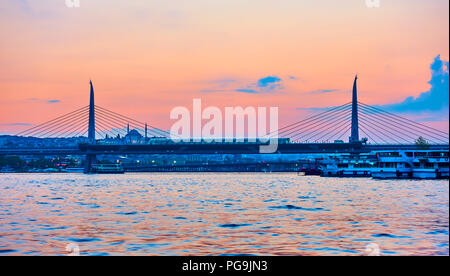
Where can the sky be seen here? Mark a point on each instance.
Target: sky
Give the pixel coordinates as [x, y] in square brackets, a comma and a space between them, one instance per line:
[147, 57]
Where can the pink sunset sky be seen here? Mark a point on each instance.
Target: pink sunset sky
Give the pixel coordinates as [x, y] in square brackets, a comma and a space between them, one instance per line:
[147, 57]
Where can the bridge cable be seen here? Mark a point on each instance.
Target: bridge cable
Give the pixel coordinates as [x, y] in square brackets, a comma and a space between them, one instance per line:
[342, 125]
[79, 130]
[307, 134]
[57, 128]
[368, 136]
[384, 127]
[309, 118]
[50, 129]
[104, 130]
[368, 129]
[408, 121]
[81, 123]
[349, 127]
[46, 124]
[392, 120]
[76, 129]
[307, 131]
[399, 126]
[383, 131]
[115, 127]
[130, 119]
[311, 124]
[56, 119]
[140, 126]
[114, 124]
[308, 121]
[328, 127]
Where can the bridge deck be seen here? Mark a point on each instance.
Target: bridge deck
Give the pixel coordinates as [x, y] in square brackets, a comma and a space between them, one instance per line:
[202, 148]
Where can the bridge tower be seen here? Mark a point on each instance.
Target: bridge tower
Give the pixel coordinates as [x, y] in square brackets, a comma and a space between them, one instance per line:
[91, 158]
[354, 137]
[91, 128]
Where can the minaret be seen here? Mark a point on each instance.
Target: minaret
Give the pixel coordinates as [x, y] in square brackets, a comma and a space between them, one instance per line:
[91, 127]
[354, 138]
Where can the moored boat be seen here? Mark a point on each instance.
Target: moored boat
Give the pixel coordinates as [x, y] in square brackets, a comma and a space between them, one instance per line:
[399, 164]
[107, 169]
[346, 165]
[414, 164]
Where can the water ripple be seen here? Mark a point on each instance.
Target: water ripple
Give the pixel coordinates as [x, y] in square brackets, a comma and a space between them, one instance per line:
[221, 214]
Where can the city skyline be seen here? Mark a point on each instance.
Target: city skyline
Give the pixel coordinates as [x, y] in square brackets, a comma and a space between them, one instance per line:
[145, 58]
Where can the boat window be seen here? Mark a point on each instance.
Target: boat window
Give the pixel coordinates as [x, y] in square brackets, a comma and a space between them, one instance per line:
[389, 154]
[439, 154]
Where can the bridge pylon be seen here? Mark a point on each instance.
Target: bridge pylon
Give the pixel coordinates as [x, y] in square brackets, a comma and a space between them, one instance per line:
[91, 158]
[354, 137]
[91, 127]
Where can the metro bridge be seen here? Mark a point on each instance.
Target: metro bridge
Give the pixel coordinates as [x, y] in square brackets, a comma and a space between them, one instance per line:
[199, 148]
[321, 133]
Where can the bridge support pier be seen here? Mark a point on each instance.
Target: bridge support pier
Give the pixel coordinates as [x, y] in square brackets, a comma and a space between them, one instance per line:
[90, 160]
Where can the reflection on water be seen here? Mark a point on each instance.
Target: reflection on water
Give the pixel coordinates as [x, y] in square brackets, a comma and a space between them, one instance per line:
[220, 214]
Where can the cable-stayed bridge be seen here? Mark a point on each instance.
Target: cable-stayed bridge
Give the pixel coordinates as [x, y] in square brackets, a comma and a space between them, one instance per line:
[102, 131]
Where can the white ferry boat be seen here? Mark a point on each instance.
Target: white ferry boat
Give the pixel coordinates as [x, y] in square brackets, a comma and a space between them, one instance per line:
[398, 164]
[107, 169]
[421, 164]
[348, 165]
